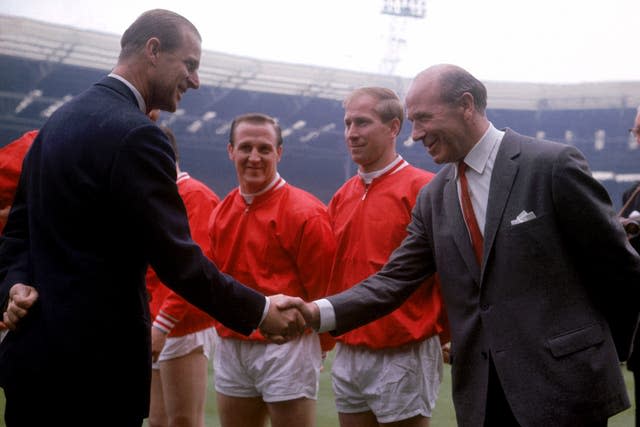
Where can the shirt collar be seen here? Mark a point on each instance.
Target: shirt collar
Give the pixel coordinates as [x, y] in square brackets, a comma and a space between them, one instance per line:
[141, 104]
[368, 177]
[479, 155]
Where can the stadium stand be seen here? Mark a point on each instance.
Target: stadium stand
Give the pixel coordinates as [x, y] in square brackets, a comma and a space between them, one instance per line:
[43, 65]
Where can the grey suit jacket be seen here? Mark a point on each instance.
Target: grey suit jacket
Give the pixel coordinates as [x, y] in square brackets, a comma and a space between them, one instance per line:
[546, 299]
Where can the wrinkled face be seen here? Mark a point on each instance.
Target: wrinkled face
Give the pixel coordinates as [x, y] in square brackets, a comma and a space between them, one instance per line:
[176, 71]
[440, 127]
[255, 155]
[370, 141]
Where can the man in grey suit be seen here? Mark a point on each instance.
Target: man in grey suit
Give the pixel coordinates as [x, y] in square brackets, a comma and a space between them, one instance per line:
[539, 303]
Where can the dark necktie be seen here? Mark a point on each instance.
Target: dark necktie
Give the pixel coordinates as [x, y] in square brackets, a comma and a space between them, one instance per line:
[469, 215]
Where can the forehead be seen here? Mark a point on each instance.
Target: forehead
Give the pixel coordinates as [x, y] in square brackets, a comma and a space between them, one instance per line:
[423, 95]
[191, 44]
[362, 104]
[250, 132]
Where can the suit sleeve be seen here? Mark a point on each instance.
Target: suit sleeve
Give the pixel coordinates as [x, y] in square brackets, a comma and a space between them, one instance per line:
[591, 228]
[14, 261]
[407, 268]
[14, 247]
[199, 205]
[143, 177]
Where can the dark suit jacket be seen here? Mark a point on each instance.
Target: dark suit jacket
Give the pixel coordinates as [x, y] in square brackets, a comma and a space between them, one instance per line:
[633, 361]
[98, 202]
[546, 298]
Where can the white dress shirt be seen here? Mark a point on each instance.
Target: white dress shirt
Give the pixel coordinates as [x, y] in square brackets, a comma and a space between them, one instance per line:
[480, 161]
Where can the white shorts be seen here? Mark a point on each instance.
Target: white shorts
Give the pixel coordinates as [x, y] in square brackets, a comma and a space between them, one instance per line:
[175, 347]
[275, 372]
[395, 384]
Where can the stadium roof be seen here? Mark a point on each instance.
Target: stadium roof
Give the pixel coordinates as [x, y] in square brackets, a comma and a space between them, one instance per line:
[22, 37]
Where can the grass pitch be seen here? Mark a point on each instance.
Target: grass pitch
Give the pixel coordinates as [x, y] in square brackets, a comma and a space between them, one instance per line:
[443, 414]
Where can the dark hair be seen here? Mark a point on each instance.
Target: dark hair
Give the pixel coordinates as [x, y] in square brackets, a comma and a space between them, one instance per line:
[256, 118]
[172, 140]
[388, 107]
[456, 81]
[163, 24]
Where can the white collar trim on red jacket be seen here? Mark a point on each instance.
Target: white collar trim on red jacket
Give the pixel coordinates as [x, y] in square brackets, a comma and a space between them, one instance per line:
[277, 182]
[182, 176]
[398, 163]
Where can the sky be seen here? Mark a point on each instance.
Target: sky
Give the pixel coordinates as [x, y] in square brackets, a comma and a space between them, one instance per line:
[540, 41]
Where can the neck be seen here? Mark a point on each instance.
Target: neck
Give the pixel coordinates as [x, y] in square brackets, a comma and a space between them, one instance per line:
[134, 77]
[380, 164]
[479, 127]
[248, 189]
[476, 131]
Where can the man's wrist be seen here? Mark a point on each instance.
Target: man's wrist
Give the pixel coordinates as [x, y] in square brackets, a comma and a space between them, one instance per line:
[326, 315]
[265, 311]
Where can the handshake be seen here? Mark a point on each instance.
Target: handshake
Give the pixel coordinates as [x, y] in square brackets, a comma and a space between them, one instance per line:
[288, 318]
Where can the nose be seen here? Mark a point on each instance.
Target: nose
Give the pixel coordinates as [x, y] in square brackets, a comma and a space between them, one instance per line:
[253, 156]
[350, 132]
[417, 132]
[194, 80]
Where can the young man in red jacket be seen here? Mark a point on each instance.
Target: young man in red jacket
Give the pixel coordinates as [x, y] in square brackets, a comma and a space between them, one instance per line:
[390, 370]
[276, 238]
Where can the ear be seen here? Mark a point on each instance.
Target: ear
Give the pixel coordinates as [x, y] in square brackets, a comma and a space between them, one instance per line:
[394, 126]
[152, 49]
[279, 152]
[468, 105]
[230, 151]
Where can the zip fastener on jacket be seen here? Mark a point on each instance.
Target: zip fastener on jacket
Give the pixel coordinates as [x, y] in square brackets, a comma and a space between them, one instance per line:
[366, 190]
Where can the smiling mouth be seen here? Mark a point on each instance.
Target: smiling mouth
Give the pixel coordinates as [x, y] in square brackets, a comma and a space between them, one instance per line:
[429, 142]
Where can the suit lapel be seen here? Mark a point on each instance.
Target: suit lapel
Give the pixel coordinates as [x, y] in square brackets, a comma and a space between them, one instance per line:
[503, 176]
[455, 223]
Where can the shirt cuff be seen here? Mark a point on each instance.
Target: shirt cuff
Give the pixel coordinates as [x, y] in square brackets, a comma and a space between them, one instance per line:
[265, 311]
[327, 315]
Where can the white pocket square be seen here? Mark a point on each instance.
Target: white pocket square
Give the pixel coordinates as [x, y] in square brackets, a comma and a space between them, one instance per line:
[523, 216]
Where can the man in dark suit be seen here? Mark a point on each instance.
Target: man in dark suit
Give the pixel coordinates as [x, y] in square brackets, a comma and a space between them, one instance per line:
[96, 204]
[535, 280]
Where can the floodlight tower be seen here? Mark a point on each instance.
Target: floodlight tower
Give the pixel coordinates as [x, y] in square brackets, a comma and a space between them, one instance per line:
[400, 12]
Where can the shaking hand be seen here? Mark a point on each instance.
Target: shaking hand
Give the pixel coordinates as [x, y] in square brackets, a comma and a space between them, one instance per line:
[284, 321]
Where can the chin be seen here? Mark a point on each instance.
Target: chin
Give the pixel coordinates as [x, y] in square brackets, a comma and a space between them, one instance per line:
[438, 159]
